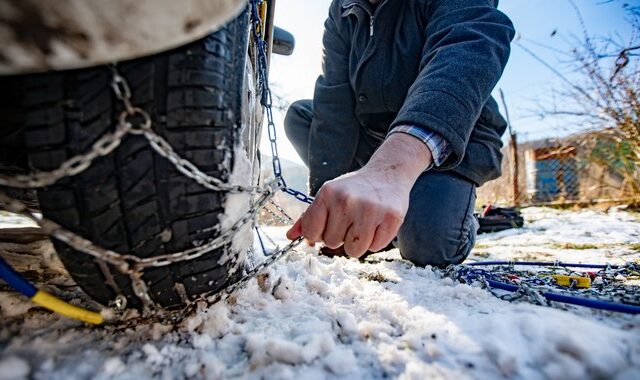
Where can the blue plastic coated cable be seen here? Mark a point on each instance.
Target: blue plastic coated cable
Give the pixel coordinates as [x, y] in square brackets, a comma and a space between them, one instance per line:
[44, 299]
[15, 280]
[580, 301]
[543, 264]
[264, 249]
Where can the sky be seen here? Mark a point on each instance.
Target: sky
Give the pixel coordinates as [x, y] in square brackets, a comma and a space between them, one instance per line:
[525, 82]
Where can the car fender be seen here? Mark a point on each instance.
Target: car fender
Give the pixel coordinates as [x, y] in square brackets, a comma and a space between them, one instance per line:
[43, 35]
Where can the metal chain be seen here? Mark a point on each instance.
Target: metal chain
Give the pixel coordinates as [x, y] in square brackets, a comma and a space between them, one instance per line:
[283, 217]
[271, 241]
[267, 103]
[73, 166]
[136, 121]
[608, 283]
[276, 216]
[262, 266]
[186, 167]
[281, 210]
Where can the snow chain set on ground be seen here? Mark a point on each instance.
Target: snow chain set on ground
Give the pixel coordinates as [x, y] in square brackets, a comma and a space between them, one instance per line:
[604, 289]
[136, 121]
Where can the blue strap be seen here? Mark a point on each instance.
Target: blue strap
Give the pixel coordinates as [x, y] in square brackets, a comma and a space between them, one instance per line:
[580, 301]
[544, 264]
[15, 280]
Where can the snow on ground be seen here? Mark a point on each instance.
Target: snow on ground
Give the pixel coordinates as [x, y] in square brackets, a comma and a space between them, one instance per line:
[316, 317]
[584, 236]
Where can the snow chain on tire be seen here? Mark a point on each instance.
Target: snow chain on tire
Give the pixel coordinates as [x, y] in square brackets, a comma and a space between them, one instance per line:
[134, 120]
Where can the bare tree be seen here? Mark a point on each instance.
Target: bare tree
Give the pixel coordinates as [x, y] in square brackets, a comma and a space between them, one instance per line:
[605, 97]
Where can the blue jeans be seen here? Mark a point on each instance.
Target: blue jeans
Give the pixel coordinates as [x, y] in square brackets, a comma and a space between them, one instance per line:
[439, 228]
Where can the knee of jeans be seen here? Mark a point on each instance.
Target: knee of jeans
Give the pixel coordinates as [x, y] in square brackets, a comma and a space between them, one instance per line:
[288, 121]
[292, 117]
[437, 244]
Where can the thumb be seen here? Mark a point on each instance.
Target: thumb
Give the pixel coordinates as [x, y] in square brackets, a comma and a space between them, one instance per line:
[295, 231]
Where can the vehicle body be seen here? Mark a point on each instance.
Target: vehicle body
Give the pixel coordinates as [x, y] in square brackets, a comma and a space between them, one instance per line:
[39, 36]
[192, 68]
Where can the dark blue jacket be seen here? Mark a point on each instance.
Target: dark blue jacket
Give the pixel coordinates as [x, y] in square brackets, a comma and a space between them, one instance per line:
[429, 63]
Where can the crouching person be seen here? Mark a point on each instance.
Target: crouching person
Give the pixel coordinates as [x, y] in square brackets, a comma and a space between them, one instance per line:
[402, 127]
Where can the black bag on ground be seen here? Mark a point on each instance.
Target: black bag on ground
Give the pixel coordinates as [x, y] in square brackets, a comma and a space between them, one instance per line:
[495, 219]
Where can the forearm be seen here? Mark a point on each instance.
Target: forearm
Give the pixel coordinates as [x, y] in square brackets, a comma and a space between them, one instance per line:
[466, 49]
[402, 158]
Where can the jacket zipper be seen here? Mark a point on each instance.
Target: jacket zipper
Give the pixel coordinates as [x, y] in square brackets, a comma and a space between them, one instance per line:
[368, 52]
[371, 21]
[372, 16]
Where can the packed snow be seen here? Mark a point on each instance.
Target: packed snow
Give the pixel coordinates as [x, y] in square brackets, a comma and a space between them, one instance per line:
[314, 317]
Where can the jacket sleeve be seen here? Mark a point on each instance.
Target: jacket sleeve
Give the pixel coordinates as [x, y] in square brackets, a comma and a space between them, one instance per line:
[467, 47]
[333, 139]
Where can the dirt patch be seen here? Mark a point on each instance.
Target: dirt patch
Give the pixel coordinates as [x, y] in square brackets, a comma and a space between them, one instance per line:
[576, 246]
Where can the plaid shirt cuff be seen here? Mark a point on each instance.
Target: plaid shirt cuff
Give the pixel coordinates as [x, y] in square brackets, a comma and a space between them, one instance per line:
[439, 147]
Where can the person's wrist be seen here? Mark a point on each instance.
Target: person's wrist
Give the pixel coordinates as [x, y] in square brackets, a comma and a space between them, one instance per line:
[401, 158]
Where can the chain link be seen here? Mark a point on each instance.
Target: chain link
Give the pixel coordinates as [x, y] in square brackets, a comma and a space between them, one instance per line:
[283, 217]
[267, 103]
[608, 284]
[73, 166]
[266, 235]
[276, 216]
[136, 121]
[187, 168]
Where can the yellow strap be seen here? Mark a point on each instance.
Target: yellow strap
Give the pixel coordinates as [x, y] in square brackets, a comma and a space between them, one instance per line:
[564, 280]
[56, 305]
[263, 17]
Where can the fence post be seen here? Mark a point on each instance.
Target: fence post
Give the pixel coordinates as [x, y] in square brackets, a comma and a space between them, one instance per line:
[513, 148]
[515, 169]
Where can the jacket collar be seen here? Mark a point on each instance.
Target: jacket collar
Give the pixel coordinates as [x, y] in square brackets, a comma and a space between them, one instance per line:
[348, 3]
[362, 3]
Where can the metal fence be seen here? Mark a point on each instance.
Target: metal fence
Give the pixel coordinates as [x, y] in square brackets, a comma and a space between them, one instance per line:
[556, 172]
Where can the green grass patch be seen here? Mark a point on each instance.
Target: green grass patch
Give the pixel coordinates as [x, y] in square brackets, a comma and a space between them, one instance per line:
[575, 246]
[531, 256]
[377, 277]
[635, 247]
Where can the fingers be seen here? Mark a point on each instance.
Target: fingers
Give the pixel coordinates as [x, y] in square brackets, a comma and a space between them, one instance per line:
[346, 211]
[383, 236]
[295, 231]
[387, 230]
[336, 229]
[313, 221]
[341, 214]
[358, 239]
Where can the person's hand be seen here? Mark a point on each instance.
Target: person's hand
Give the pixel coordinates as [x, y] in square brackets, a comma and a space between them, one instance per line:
[364, 210]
